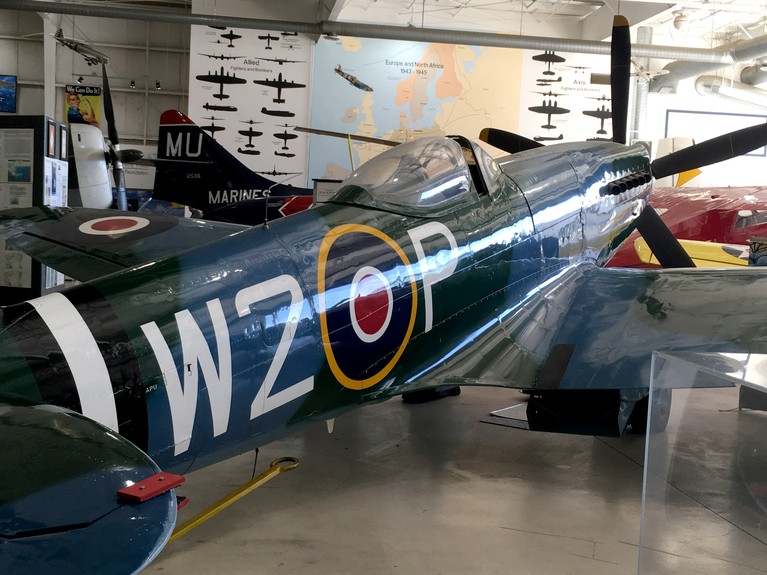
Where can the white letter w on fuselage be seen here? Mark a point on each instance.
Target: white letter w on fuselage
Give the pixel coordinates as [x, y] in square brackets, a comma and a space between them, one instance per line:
[182, 399]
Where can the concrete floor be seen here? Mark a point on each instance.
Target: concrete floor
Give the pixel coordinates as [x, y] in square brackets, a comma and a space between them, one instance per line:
[430, 489]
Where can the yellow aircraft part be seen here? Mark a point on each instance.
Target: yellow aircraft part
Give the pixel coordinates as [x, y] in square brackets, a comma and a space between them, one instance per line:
[685, 177]
[704, 254]
[275, 468]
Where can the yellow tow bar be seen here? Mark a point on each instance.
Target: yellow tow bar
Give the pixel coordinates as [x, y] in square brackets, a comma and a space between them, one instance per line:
[275, 468]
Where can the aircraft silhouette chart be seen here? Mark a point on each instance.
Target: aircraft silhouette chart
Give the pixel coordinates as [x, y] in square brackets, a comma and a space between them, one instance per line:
[221, 79]
[281, 85]
[231, 36]
[269, 39]
[187, 342]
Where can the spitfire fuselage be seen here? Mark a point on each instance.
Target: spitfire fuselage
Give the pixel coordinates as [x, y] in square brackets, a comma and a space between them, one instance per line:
[208, 353]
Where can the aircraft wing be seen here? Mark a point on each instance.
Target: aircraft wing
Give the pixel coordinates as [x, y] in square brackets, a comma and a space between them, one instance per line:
[59, 506]
[595, 328]
[703, 254]
[88, 243]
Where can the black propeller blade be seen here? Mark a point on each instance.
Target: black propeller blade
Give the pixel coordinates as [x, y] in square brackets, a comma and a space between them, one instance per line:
[667, 250]
[711, 151]
[620, 74]
[130, 156]
[507, 141]
[109, 111]
[114, 146]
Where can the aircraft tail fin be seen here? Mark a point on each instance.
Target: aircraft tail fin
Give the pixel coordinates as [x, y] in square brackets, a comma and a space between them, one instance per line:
[195, 170]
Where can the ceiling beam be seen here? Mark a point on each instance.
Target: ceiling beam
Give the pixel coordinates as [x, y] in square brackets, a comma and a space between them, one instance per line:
[444, 36]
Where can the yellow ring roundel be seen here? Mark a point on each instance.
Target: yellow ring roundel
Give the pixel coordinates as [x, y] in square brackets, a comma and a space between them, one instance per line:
[345, 254]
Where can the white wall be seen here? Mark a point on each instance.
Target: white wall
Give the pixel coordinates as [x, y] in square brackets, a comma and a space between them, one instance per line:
[714, 120]
[145, 52]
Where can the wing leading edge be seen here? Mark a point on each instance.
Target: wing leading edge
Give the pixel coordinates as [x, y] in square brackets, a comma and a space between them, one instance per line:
[593, 328]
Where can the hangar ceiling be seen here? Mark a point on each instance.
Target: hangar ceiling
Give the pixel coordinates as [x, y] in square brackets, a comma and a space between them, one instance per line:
[693, 23]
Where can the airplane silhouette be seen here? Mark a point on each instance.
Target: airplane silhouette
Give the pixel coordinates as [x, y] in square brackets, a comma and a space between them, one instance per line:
[250, 133]
[280, 84]
[282, 61]
[269, 39]
[285, 136]
[221, 78]
[221, 56]
[231, 36]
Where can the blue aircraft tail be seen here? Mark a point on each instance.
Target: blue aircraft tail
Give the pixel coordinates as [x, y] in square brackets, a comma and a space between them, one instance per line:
[195, 170]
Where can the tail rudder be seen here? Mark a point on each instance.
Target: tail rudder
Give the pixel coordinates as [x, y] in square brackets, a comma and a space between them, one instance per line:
[194, 169]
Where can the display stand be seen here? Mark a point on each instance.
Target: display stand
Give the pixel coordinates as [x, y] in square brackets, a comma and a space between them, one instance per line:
[33, 172]
[704, 504]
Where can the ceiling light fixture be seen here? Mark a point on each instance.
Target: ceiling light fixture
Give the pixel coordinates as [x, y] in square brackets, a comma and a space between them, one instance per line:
[133, 84]
[157, 85]
[80, 80]
[681, 21]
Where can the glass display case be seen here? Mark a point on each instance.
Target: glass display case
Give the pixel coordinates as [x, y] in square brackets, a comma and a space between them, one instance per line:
[704, 503]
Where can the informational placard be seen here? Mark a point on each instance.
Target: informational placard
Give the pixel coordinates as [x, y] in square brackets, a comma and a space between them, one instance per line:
[16, 167]
[15, 267]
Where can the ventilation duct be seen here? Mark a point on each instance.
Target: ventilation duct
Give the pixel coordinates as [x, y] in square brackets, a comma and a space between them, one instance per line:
[715, 58]
[731, 90]
[740, 51]
[753, 75]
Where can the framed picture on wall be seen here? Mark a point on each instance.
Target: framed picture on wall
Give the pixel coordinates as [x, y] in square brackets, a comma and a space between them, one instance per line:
[51, 139]
[62, 142]
[8, 94]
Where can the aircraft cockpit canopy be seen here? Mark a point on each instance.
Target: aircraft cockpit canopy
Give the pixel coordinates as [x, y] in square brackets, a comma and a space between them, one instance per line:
[428, 174]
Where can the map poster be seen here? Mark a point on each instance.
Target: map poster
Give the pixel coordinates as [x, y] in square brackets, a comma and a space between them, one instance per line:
[403, 90]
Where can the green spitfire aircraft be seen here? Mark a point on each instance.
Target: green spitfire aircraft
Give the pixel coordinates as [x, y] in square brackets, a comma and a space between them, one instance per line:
[188, 341]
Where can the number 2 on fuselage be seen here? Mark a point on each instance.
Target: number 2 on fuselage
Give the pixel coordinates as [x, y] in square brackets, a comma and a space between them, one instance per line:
[264, 401]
